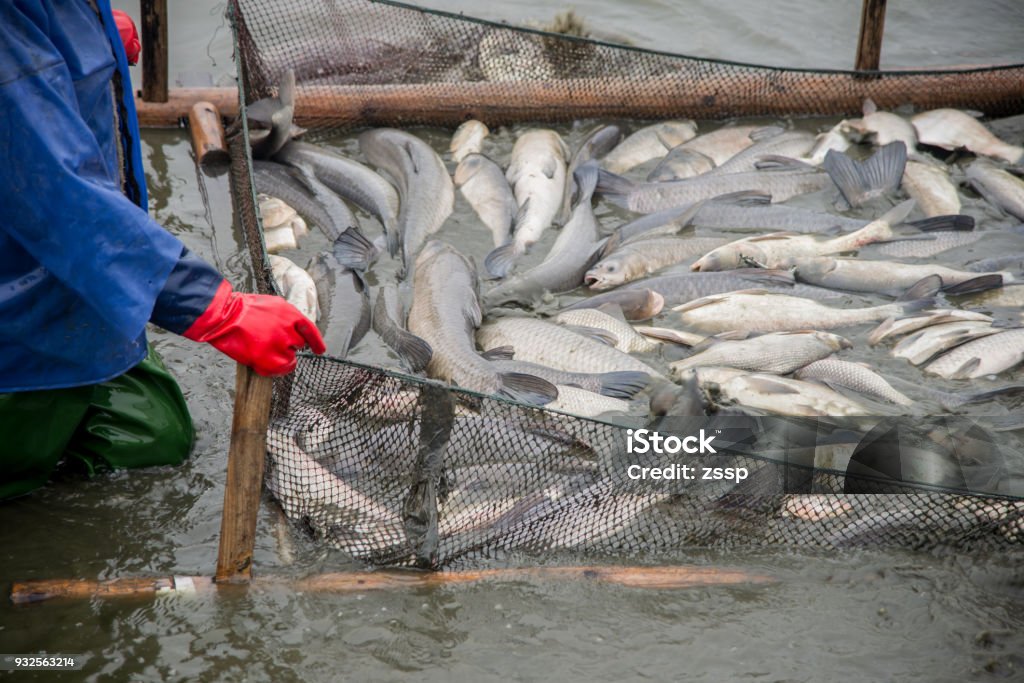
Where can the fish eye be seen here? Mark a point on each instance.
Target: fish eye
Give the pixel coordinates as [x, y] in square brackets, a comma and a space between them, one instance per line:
[610, 267]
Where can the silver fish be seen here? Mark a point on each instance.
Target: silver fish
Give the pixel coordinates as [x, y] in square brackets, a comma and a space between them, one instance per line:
[842, 374]
[881, 127]
[879, 277]
[625, 337]
[575, 249]
[999, 187]
[763, 311]
[311, 198]
[444, 313]
[468, 139]
[721, 145]
[896, 327]
[483, 184]
[923, 345]
[642, 257]
[546, 343]
[989, 355]
[930, 185]
[348, 179]
[648, 143]
[777, 353]
[354, 522]
[635, 304]
[680, 163]
[768, 142]
[537, 175]
[776, 395]
[682, 287]
[344, 303]
[781, 184]
[953, 129]
[594, 146]
[425, 190]
[772, 250]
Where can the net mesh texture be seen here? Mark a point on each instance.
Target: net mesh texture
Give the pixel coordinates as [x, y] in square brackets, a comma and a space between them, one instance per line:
[397, 470]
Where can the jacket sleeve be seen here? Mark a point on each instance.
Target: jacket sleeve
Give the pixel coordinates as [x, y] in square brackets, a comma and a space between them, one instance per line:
[62, 198]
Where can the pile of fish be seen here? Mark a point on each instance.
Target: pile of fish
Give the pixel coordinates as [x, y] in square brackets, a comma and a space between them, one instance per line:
[764, 255]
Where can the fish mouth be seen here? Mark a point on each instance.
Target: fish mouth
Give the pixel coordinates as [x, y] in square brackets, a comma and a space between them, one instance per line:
[592, 281]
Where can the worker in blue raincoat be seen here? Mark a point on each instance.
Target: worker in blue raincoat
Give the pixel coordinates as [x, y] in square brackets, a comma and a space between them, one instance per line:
[83, 267]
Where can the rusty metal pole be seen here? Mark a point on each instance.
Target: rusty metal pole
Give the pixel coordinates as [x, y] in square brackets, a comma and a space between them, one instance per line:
[869, 45]
[154, 50]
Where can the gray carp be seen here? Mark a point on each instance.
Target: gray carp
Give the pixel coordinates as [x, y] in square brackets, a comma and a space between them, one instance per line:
[842, 374]
[953, 129]
[425, 190]
[483, 184]
[648, 143]
[537, 176]
[445, 311]
[778, 352]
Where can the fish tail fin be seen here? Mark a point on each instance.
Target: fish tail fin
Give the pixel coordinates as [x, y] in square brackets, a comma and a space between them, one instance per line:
[614, 188]
[499, 262]
[982, 283]
[624, 384]
[982, 396]
[586, 176]
[394, 240]
[353, 250]
[955, 221]
[528, 389]
[921, 294]
[860, 181]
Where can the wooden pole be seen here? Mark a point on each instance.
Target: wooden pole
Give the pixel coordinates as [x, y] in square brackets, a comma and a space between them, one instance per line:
[245, 476]
[997, 92]
[207, 128]
[656, 578]
[869, 45]
[154, 50]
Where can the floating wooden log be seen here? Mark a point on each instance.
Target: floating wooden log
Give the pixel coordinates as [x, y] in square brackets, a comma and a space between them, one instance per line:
[654, 578]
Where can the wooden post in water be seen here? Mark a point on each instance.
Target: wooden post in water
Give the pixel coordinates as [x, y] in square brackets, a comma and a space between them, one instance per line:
[869, 45]
[207, 129]
[245, 476]
[154, 50]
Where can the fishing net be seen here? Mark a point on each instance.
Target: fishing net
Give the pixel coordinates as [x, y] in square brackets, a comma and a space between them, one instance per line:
[397, 470]
[360, 62]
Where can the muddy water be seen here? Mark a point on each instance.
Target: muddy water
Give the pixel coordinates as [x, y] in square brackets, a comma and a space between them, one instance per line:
[853, 615]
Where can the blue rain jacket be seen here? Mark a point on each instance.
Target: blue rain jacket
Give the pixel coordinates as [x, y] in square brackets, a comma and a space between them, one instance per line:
[82, 265]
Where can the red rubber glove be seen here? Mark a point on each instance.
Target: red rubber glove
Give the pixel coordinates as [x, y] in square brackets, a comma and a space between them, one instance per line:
[129, 36]
[257, 330]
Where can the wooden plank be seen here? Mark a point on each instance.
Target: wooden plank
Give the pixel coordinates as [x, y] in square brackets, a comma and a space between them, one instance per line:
[245, 476]
[869, 44]
[207, 128]
[154, 50]
[652, 578]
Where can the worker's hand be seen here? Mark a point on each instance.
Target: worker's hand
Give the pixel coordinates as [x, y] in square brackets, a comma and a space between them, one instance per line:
[257, 330]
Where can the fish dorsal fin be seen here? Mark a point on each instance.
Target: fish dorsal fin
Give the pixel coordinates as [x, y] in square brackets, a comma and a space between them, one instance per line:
[499, 353]
[772, 236]
[775, 162]
[765, 133]
[967, 369]
[594, 334]
[869, 107]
